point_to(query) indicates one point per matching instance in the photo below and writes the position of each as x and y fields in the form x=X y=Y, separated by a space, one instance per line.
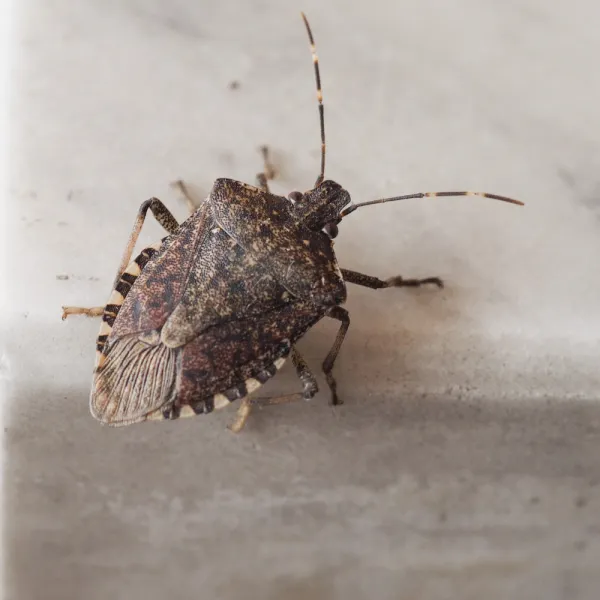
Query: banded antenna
x=353 y=207
x=321 y=176
x=315 y=58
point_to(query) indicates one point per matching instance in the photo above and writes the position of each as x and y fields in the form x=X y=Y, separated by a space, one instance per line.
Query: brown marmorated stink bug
x=211 y=312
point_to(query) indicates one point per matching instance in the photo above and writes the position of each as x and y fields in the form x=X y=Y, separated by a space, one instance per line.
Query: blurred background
x=465 y=460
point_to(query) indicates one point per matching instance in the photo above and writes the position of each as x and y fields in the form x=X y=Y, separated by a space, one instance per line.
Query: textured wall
x=464 y=463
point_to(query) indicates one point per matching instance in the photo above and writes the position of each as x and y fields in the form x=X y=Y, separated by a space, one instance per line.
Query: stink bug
x=211 y=312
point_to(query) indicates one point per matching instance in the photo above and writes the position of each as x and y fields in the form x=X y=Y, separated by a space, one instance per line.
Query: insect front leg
x=268 y=171
x=164 y=217
x=309 y=389
x=340 y=314
x=376 y=284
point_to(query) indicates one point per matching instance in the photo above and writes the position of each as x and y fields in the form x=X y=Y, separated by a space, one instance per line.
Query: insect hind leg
x=309 y=389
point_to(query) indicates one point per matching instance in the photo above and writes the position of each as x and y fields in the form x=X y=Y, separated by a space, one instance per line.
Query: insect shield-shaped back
x=287 y=238
x=213 y=313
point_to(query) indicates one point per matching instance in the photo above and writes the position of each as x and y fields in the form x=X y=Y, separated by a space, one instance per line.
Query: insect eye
x=295 y=196
x=331 y=229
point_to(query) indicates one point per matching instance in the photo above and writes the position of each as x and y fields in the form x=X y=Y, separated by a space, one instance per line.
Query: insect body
x=210 y=313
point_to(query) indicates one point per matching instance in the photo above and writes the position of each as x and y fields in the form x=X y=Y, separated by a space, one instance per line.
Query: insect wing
x=220 y=365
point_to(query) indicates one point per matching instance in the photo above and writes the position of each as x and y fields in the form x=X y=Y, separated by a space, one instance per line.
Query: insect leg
x=94 y=311
x=376 y=284
x=242 y=416
x=121 y=290
x=341 y=314
x=309 y=389
x=268 y=171
x=165 y=218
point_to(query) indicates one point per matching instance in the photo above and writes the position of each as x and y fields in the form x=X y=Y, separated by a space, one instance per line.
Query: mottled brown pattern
x=162 y=282
x=224 y=284
x=321 y=205
x=229 y=354
x=140 y=376
x=212 y=309
x=265 y=226
x=201 y=277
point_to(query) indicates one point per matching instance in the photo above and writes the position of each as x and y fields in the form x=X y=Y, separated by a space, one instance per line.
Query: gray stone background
x=466 y=460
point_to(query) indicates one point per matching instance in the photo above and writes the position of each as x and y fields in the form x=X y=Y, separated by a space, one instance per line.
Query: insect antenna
x=353 y=207
x=319 y=98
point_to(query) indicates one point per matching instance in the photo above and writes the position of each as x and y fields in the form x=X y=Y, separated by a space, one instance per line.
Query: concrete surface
x=466 y=460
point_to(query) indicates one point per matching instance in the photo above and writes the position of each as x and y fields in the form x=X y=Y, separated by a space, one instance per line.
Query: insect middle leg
x=376 y=284
x=268 y=171
x=164 y=217
x=309 y=389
